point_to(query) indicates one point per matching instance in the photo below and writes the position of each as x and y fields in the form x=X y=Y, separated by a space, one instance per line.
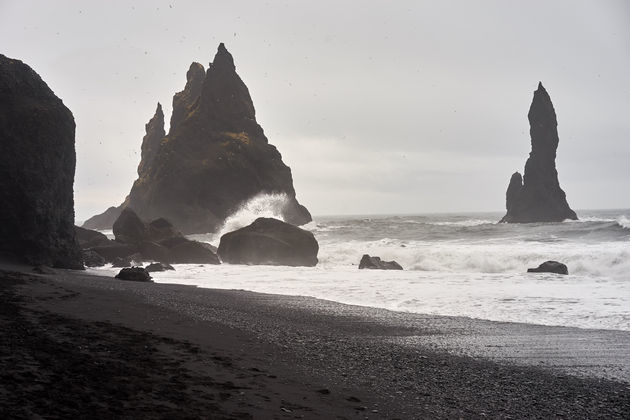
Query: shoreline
x=401 y=365
x=461 y=296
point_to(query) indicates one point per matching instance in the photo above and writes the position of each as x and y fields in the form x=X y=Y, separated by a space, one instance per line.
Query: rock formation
x=155 y=267
x=156 y=241
x=550 y=267
x=151 y=141
x=375 y=263
x=214 y=158
x=184 y=100
x=134 y=274
x=270 y=242
x=538 y=196
x=37 y=162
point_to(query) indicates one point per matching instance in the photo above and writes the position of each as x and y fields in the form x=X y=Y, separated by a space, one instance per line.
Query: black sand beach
x=75 y=345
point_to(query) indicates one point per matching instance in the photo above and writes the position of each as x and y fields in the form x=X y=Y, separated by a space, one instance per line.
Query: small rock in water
x=550 y=267
x=134 y=274
x=158 y=267
x=375 y=263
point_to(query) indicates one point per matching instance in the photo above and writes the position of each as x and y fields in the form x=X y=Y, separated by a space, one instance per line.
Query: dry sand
x=74 y=345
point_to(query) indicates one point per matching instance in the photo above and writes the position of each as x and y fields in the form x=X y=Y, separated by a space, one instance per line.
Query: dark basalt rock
x=375 y=263
x=153 y=251
x=269 y=241
x=152 y=139
x=214 y=158
x=104 y=220
x=93 y=259
x=134 y=274
x=121 y=262
x=114 y=250
x=37 y=162
x=156 y=241
x=129 y=229
x=158 y=267
x=538 y=196
x=89 y=238
x=550 y=267
x=184 y=100
x=192 y=252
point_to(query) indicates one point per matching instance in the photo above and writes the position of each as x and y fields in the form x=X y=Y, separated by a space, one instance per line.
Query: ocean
x=460 y=264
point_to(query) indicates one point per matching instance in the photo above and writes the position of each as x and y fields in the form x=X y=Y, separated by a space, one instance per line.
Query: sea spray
x=261 y=205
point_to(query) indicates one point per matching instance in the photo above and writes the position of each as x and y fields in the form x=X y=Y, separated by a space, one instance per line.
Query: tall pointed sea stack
x=214 y=158
x=37 y=162
x=538 y=196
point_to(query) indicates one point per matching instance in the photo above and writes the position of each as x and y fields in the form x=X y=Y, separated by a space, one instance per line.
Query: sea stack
x=537 y=197
x=214 y=158
x=37 y=163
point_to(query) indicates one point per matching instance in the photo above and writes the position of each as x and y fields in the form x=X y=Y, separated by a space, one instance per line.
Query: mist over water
x=455 y=264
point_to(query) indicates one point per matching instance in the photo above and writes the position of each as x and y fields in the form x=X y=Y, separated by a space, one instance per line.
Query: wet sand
x=78 y=345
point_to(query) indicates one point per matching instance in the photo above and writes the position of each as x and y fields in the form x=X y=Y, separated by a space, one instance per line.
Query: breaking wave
x=582 y=259
x=261 y=205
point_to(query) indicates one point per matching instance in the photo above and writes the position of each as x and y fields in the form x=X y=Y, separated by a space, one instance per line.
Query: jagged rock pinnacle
x=538 y=196
x=223 y=60
x=184 y=100
x=215 y=157
x=151 y=140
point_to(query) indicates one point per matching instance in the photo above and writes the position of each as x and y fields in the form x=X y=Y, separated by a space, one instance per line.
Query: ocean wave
x=623 y=222
x=470 y=222
x=261 y=205
x=609 y=260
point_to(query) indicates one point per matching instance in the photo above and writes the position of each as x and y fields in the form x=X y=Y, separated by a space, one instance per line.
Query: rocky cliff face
x=538 y=196
x=184 y=100
x=37 y=162
x=214 y=158
x=151 y=141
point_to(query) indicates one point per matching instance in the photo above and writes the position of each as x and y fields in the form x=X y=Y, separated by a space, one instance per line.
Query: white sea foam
x=468 y=222
x=612 y=260
x=574 y=300
x=623 y=222
x=261 y=205
x=477 y=272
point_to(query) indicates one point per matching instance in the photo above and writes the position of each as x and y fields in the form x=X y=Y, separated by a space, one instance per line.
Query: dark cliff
x=151 y=141
x=538 y=196
x=184 y=100
x=214 y=158
x=36 y=170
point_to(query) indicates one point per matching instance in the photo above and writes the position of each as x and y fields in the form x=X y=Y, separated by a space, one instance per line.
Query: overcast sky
x=377 y=107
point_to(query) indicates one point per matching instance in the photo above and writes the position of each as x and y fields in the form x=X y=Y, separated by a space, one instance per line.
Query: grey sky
x=377 y=107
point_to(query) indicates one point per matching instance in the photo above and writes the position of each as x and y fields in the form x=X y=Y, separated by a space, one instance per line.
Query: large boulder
x=115 y=250
x=89 y=238
x=550 y=267
x=37 y=162
x=375 y=263
x=192 y=252
x=134 y=274
x=537 y=197
x=215 y=157
x=158 y=267
x=137 y=241
x=269 y=241
x=129 y=229
x=93 y=259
